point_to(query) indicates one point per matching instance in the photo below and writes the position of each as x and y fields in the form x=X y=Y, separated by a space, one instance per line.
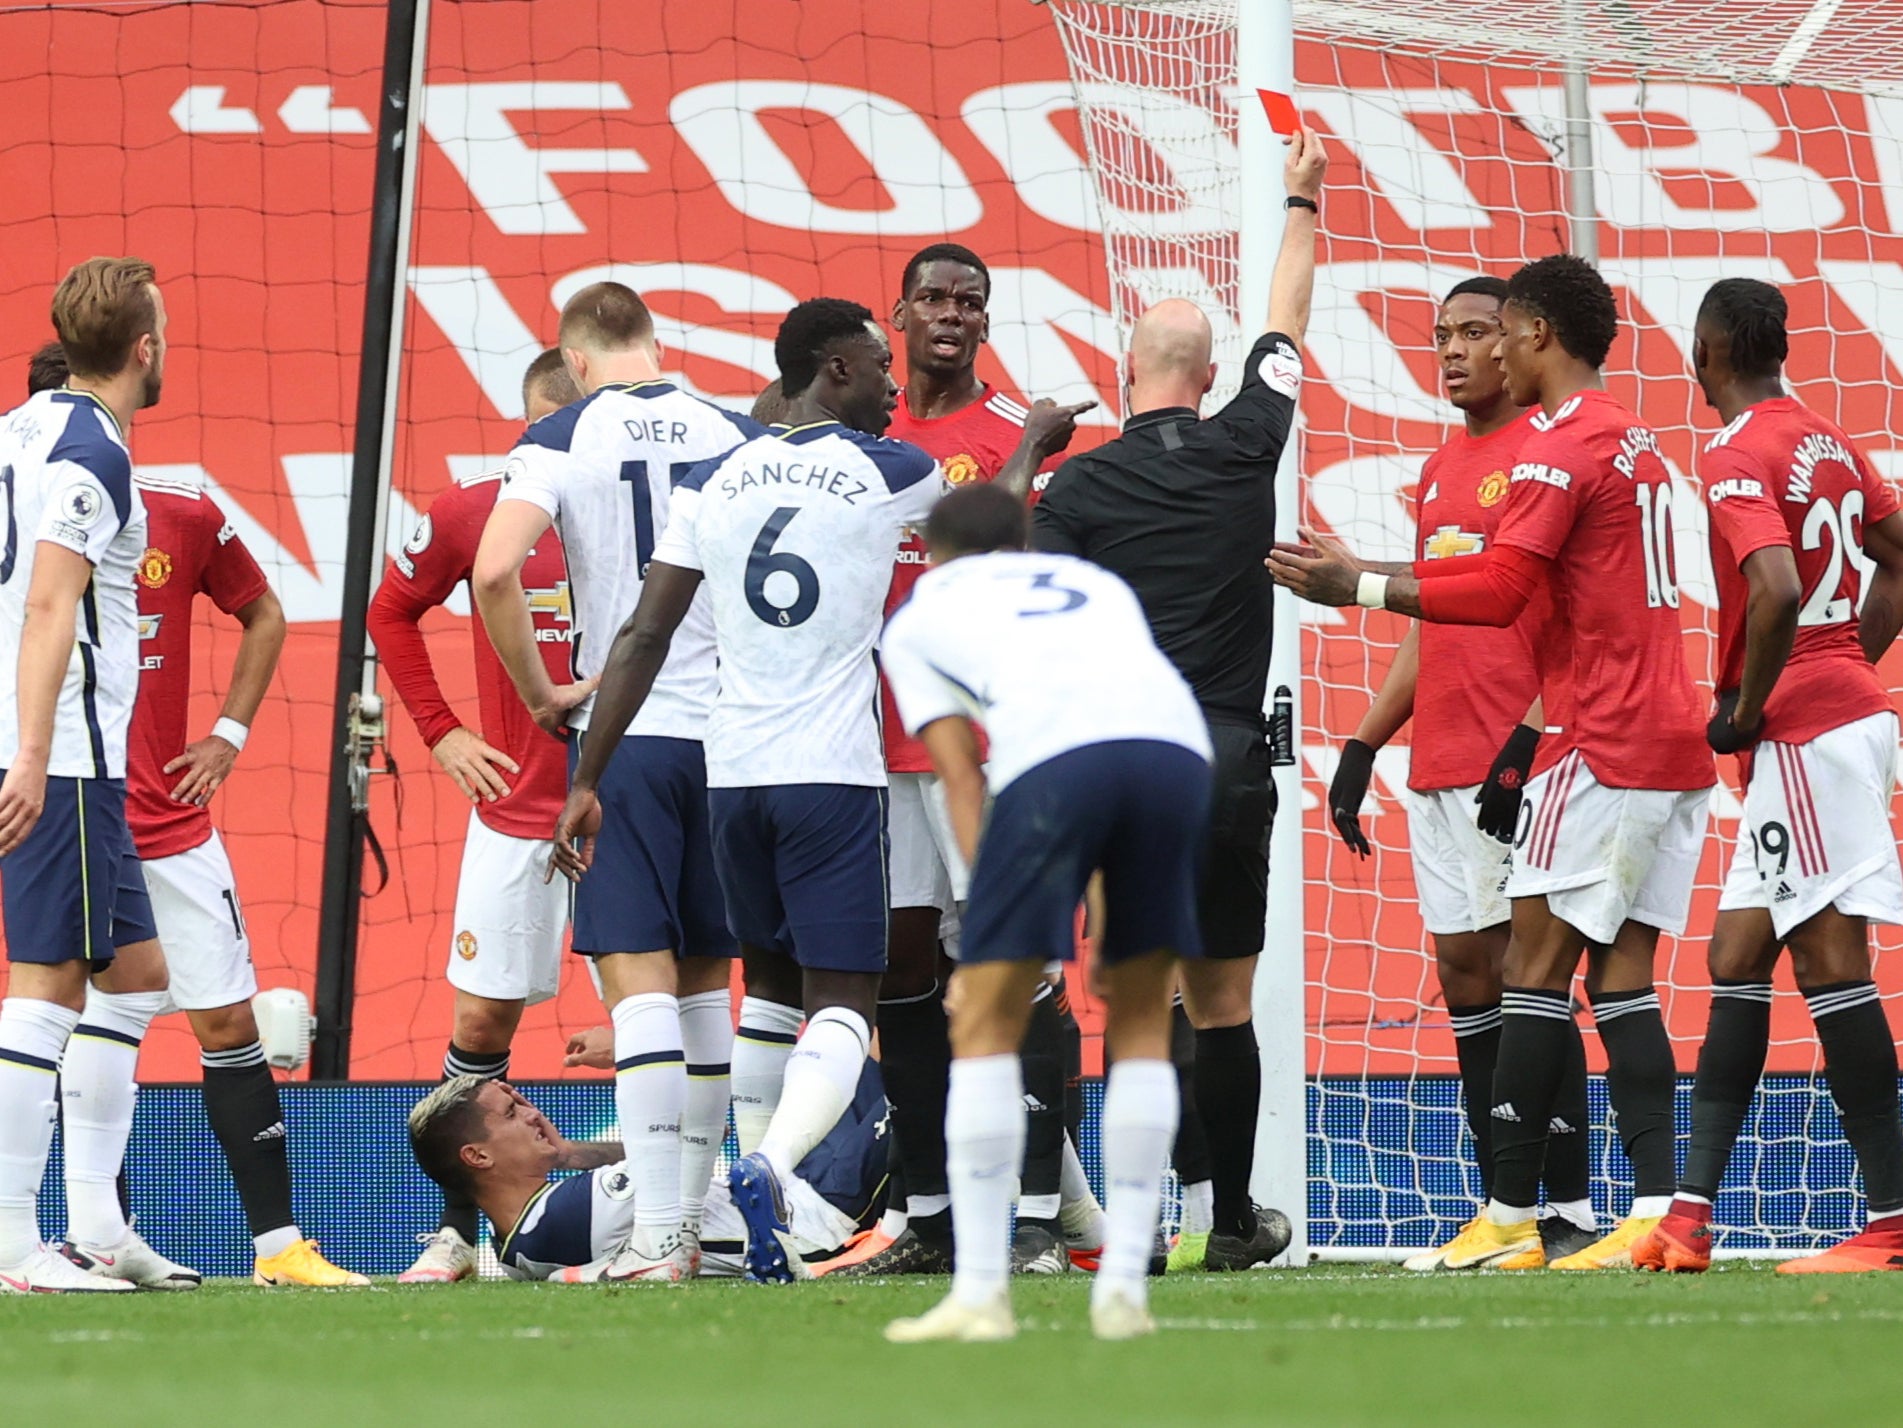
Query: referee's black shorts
x=1233 y=900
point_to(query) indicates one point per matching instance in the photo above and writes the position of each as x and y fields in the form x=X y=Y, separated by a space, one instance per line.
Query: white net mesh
x=1446 y=151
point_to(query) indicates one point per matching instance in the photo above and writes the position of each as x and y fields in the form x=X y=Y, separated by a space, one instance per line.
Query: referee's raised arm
x=1183 y=509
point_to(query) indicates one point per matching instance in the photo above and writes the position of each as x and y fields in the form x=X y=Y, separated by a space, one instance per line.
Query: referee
x=1184 y=510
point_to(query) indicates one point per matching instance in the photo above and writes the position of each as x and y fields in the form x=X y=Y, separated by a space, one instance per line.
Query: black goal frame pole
x=340 y=917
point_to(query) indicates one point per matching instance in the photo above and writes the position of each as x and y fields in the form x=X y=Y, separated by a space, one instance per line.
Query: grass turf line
x=1347 y=1345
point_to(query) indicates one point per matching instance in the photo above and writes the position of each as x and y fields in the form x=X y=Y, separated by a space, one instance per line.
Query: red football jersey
x=439 y=557
x=190 y=548
x=1475 y=683
x=971 y=444
x=1782 y=475
x=1590 y=492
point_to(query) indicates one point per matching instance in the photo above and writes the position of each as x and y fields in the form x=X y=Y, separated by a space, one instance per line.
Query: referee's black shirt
x=1183 y=509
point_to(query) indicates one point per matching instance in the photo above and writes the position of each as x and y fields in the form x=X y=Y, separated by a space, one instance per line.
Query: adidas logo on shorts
x=1505 y=1112
x=1784 y=893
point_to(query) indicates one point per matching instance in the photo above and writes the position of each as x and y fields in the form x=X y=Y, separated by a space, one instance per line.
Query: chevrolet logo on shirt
x=1449 y=541
x=554 y=602
x=149 y=630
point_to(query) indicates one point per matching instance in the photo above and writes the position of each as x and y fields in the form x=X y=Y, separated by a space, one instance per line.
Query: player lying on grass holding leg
x=482 y=1138
x=1099 y=761
x=1615 y=814
x=1801 y=533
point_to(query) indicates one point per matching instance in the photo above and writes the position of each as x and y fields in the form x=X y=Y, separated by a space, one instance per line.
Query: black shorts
x=1233 y=899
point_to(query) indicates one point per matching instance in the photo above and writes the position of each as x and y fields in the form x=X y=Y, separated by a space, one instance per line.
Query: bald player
x=1182 y=508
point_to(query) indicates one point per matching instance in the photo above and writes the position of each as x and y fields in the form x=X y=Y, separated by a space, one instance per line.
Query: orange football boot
x=1867 y=1253
x=1678 y=1244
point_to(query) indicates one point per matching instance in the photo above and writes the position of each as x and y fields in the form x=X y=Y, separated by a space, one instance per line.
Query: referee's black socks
x=1228 y=1098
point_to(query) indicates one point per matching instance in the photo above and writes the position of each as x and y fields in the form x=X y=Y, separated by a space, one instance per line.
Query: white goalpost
x=1673 y=143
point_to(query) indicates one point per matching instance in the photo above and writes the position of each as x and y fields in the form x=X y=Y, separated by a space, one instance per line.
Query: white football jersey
x=1048 y=652
x=605 y=469
x=572 y=1221
x=67 y=479
x=796 y=533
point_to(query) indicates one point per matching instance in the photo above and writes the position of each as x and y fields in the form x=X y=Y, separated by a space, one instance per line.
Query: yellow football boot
x=1614 y=1251
x=301 y=1264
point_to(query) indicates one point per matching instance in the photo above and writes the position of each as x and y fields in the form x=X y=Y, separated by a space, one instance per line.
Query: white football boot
x=47 y=1271
x=132 y=1261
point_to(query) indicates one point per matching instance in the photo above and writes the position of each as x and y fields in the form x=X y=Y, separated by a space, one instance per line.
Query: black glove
x=1350 y=786
x=1500 y=796
x=1724 y=736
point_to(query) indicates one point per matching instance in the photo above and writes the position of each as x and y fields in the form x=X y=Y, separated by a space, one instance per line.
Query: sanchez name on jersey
x=795 y=533
x=605 y=469
x=67 y=479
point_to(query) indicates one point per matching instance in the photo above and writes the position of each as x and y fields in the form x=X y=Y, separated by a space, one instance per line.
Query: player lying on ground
x=1467 y=689
x=604 y=471
x=190 y=548
x=1799 y=524
x=1099 y=762
x=485 y=1140
x=977 y=433
x=1615 y=819
x=794 y=535
x=76 y=909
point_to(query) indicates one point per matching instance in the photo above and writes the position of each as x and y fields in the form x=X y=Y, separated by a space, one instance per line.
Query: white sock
x=274 y=1242
x=98 y=1088
x=650 y=1091
x=1139 y=1125
x=1507 y=1216
x=1199 y=1208
x=1577 y=1213
x=33 y=1034
x=761 y=1047
x=984 y=1145
x=822 y=1076
x=892 y=1223
x=923 y=1207
x=1038 y=1207
x=707 y=1040
x=1081 y=1214
x=1650 y=1207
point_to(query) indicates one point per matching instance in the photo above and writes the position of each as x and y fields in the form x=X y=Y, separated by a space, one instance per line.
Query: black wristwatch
x=1295 y=200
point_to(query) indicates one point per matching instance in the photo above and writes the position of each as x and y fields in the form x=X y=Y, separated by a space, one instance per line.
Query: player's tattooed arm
x=589 y=1154
x=627 y=676
x=1047 y=430
x=1323 y=571
x=1883 y=596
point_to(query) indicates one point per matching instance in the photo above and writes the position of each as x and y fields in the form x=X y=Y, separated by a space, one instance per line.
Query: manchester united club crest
x=961 y=470
x=466 y=946
x=1492 y=489
x=155 y=568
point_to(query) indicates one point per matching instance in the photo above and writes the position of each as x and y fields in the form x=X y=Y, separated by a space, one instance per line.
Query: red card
x=1280 y=108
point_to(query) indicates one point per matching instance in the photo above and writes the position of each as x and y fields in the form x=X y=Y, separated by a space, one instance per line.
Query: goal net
x=1729 y=139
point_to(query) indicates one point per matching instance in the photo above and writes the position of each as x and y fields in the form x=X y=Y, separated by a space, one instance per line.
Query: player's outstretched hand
x=575 y=834
x=1049 y=427
x=476 y=767
x=1504 y=790
x=1321 y=570
x=1304 y=165
x=205 y=764
x=1726 y=733
x=593 y=1048
x=22 y=797
x=553 y=715
x=1347 y=790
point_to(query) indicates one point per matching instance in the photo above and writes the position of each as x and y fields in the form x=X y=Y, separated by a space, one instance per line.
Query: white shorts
x=1604 y=856
x=927 y=868
x=1460 y=874
x=1795 y=863
x=201 y=927
x=507 y=945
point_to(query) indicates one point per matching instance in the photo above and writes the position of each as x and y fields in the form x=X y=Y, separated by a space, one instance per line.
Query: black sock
x=1477 y=1048
x=1737 y=1038
x=459 y=1211
x=241 y=1102
x=1190 y=1156
x=1860 y=1062
x=1228 y=1095
x=1073 y=1061
x=1568 y=1167
x=1640 y=1077
x=1533 y=1049
x=1043 y=1061
x=915 y=1062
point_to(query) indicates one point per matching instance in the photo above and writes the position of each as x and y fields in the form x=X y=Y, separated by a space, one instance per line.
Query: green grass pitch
x=1335 y=1345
